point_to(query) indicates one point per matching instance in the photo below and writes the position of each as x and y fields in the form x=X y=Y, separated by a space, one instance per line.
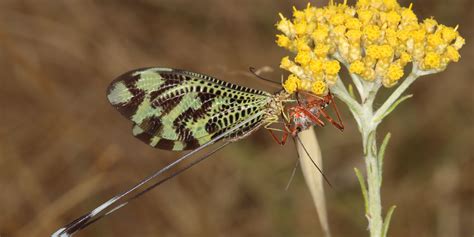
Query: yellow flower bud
x=303 y=57
x=393 y=17
x=373 y=51
x=452 y=54
x=372 y=32
x=459 y=42
x=405 y=58
x=394 y=72
x=353 y=24
x=403 y=34
x=357 y=67
x=431 y=61
x=332 y=67
x=310 y=27
x=283 y=41
x=385 y=51
x=316 y=66
x=318 y=88
x=365 y=16
x=391 y=37
x=285 y=26
x=309 y=12
x=337 y=19
x=291 y=84
x=434 y=40
x=300 y=27
x=302 y=44
x=369 y=74
x=339 y=30
x=298 y=15
x=353 y=35
x=448 y=34
x=362 y=3
x=286 y=63
x=418 y=35
x=321 y=50
x=320 y=34
x=430 y=25
x=408 y=15
x=391 y=4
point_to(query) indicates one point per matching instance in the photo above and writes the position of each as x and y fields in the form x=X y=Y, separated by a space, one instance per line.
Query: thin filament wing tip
x=292 y=175
x=146 y=184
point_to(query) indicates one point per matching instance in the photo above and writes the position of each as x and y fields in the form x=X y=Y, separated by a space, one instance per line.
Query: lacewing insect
x=180 y=110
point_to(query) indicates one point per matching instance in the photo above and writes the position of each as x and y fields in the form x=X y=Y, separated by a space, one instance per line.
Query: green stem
x=358 y=83
x=374 y=179
x=374 y=212
x=341 y=92
x=365 y=117
x=368 y=120
x=395 y=95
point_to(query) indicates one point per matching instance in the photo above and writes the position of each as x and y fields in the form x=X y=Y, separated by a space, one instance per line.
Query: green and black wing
x=180 y=110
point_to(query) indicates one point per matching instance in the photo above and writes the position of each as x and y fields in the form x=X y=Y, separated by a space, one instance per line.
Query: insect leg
x=313 y=118
x=283 y=137
x=338 y=125
x=334 y=106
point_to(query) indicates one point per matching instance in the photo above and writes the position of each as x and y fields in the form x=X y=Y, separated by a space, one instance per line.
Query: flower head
x=375 y=39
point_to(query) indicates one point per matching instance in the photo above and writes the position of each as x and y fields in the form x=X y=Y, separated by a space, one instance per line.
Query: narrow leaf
x=381 y=154
x=363 y=188
x=392 y=107
x=369 y=145
x=386 y=223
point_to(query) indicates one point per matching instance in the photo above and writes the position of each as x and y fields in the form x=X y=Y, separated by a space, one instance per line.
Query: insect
x=180 y=110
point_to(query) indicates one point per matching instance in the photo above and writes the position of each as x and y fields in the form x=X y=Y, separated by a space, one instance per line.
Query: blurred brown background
x=64 y=149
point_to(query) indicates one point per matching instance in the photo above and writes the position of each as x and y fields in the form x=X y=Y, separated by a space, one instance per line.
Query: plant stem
x=374 y=210
x=367 y=122
x=395 y=95
x=368 y=130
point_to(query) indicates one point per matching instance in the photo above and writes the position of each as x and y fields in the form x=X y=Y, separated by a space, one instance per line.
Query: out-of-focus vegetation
x=64 y=150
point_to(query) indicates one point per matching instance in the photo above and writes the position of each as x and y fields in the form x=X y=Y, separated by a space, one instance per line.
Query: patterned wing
x=180 y=110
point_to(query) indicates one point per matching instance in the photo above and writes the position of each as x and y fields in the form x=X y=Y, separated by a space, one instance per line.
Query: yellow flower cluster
x=376 y=39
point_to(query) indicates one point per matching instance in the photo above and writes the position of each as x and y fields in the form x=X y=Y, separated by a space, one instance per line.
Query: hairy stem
x=395 y=95
x=366 y=119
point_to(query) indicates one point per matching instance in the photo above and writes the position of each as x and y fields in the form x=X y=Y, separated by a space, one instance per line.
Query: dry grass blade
x=313 y=177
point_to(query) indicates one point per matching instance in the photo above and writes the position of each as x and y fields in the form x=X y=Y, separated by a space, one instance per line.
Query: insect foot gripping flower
x=376 y=40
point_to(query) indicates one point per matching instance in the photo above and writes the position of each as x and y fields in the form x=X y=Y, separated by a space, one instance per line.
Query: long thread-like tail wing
x=144 y=186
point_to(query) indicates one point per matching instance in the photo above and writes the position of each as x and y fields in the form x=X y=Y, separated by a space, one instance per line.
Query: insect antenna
x=292 y=175
x=255 y=73
x=314 y=163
